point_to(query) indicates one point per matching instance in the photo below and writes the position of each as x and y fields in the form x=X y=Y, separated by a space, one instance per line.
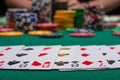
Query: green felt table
x=101 y=38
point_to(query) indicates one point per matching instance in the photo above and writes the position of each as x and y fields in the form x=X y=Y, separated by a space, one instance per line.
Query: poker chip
x=48 y=26
x=70 y=29
x=65 y=12
x=6 y=29
x=54 y=35
x=81 y=30
x=37 y=33
x=3 y=26
x=117 y=29
x=84 y=30
x=82 y=34
x=11 y=33
x=3 y=20
x=116 y=33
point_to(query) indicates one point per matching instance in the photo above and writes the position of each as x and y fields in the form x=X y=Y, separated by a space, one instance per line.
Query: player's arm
x=107 y=4
x=19 y=4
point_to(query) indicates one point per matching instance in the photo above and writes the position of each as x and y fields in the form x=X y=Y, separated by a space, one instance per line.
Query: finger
x=72 y=3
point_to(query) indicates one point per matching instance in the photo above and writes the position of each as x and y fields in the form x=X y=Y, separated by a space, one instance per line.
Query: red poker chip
x=116 y=33
x=82 y=34
x=47 y=25
x=91 y=34
x=6 y=29
x=3 y=25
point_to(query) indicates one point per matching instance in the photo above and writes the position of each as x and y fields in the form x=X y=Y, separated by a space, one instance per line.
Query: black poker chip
x=54 y=35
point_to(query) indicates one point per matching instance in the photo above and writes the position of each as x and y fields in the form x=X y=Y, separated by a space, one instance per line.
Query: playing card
x=46 y=59
x=111 y=55
x=91 y=58
x=67 y=58
x=8 y=53
x=24 y=58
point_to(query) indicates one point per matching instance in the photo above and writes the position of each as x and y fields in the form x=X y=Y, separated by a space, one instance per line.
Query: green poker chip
x=70 y=29
x=3 y=20
x=117 y=29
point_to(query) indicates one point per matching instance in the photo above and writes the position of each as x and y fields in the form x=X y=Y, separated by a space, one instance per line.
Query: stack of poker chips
x=10 y=16
x=26 y=21
x=43 y=8
x=64 y=18
x=79 y=18
x=94 y=17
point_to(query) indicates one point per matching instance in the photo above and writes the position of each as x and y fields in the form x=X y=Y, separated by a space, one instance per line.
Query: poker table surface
x=101 y=38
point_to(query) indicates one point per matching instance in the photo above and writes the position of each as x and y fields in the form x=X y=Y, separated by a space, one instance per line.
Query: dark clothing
x=114 y=12
x=3 y=7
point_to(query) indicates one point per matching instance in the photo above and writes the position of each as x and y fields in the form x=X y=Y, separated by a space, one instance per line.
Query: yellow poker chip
x=37 y=33
x=64 y=16
x=65 y=11
x=64 y=19
x=11 y=33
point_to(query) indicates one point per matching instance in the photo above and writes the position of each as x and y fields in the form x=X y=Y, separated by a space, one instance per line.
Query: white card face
x=32 y=51
x=2 y=61
x=111 y=55
x=67 y=56
x=46 y=59
x=2 y=48
x=91 y=58
x=8 y=53
x=23 y=59
x=17 y=64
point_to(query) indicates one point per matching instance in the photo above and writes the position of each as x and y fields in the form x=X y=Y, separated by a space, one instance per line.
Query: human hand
x=75 y=4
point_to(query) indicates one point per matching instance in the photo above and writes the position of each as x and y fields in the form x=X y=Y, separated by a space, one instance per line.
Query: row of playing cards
x=64 y=58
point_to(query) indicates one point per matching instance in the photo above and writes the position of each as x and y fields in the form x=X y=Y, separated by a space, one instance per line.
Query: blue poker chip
x=54 y=35
x=33 y=19
x=18 y=20
x=18 y=14
x=33 y=14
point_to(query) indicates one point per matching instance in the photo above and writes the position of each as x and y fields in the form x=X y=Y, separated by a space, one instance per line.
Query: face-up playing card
x=67 y=58
x=90 y=58
x=8 y=53
x=24 y=58
x=111 y=55
x=46 y=59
